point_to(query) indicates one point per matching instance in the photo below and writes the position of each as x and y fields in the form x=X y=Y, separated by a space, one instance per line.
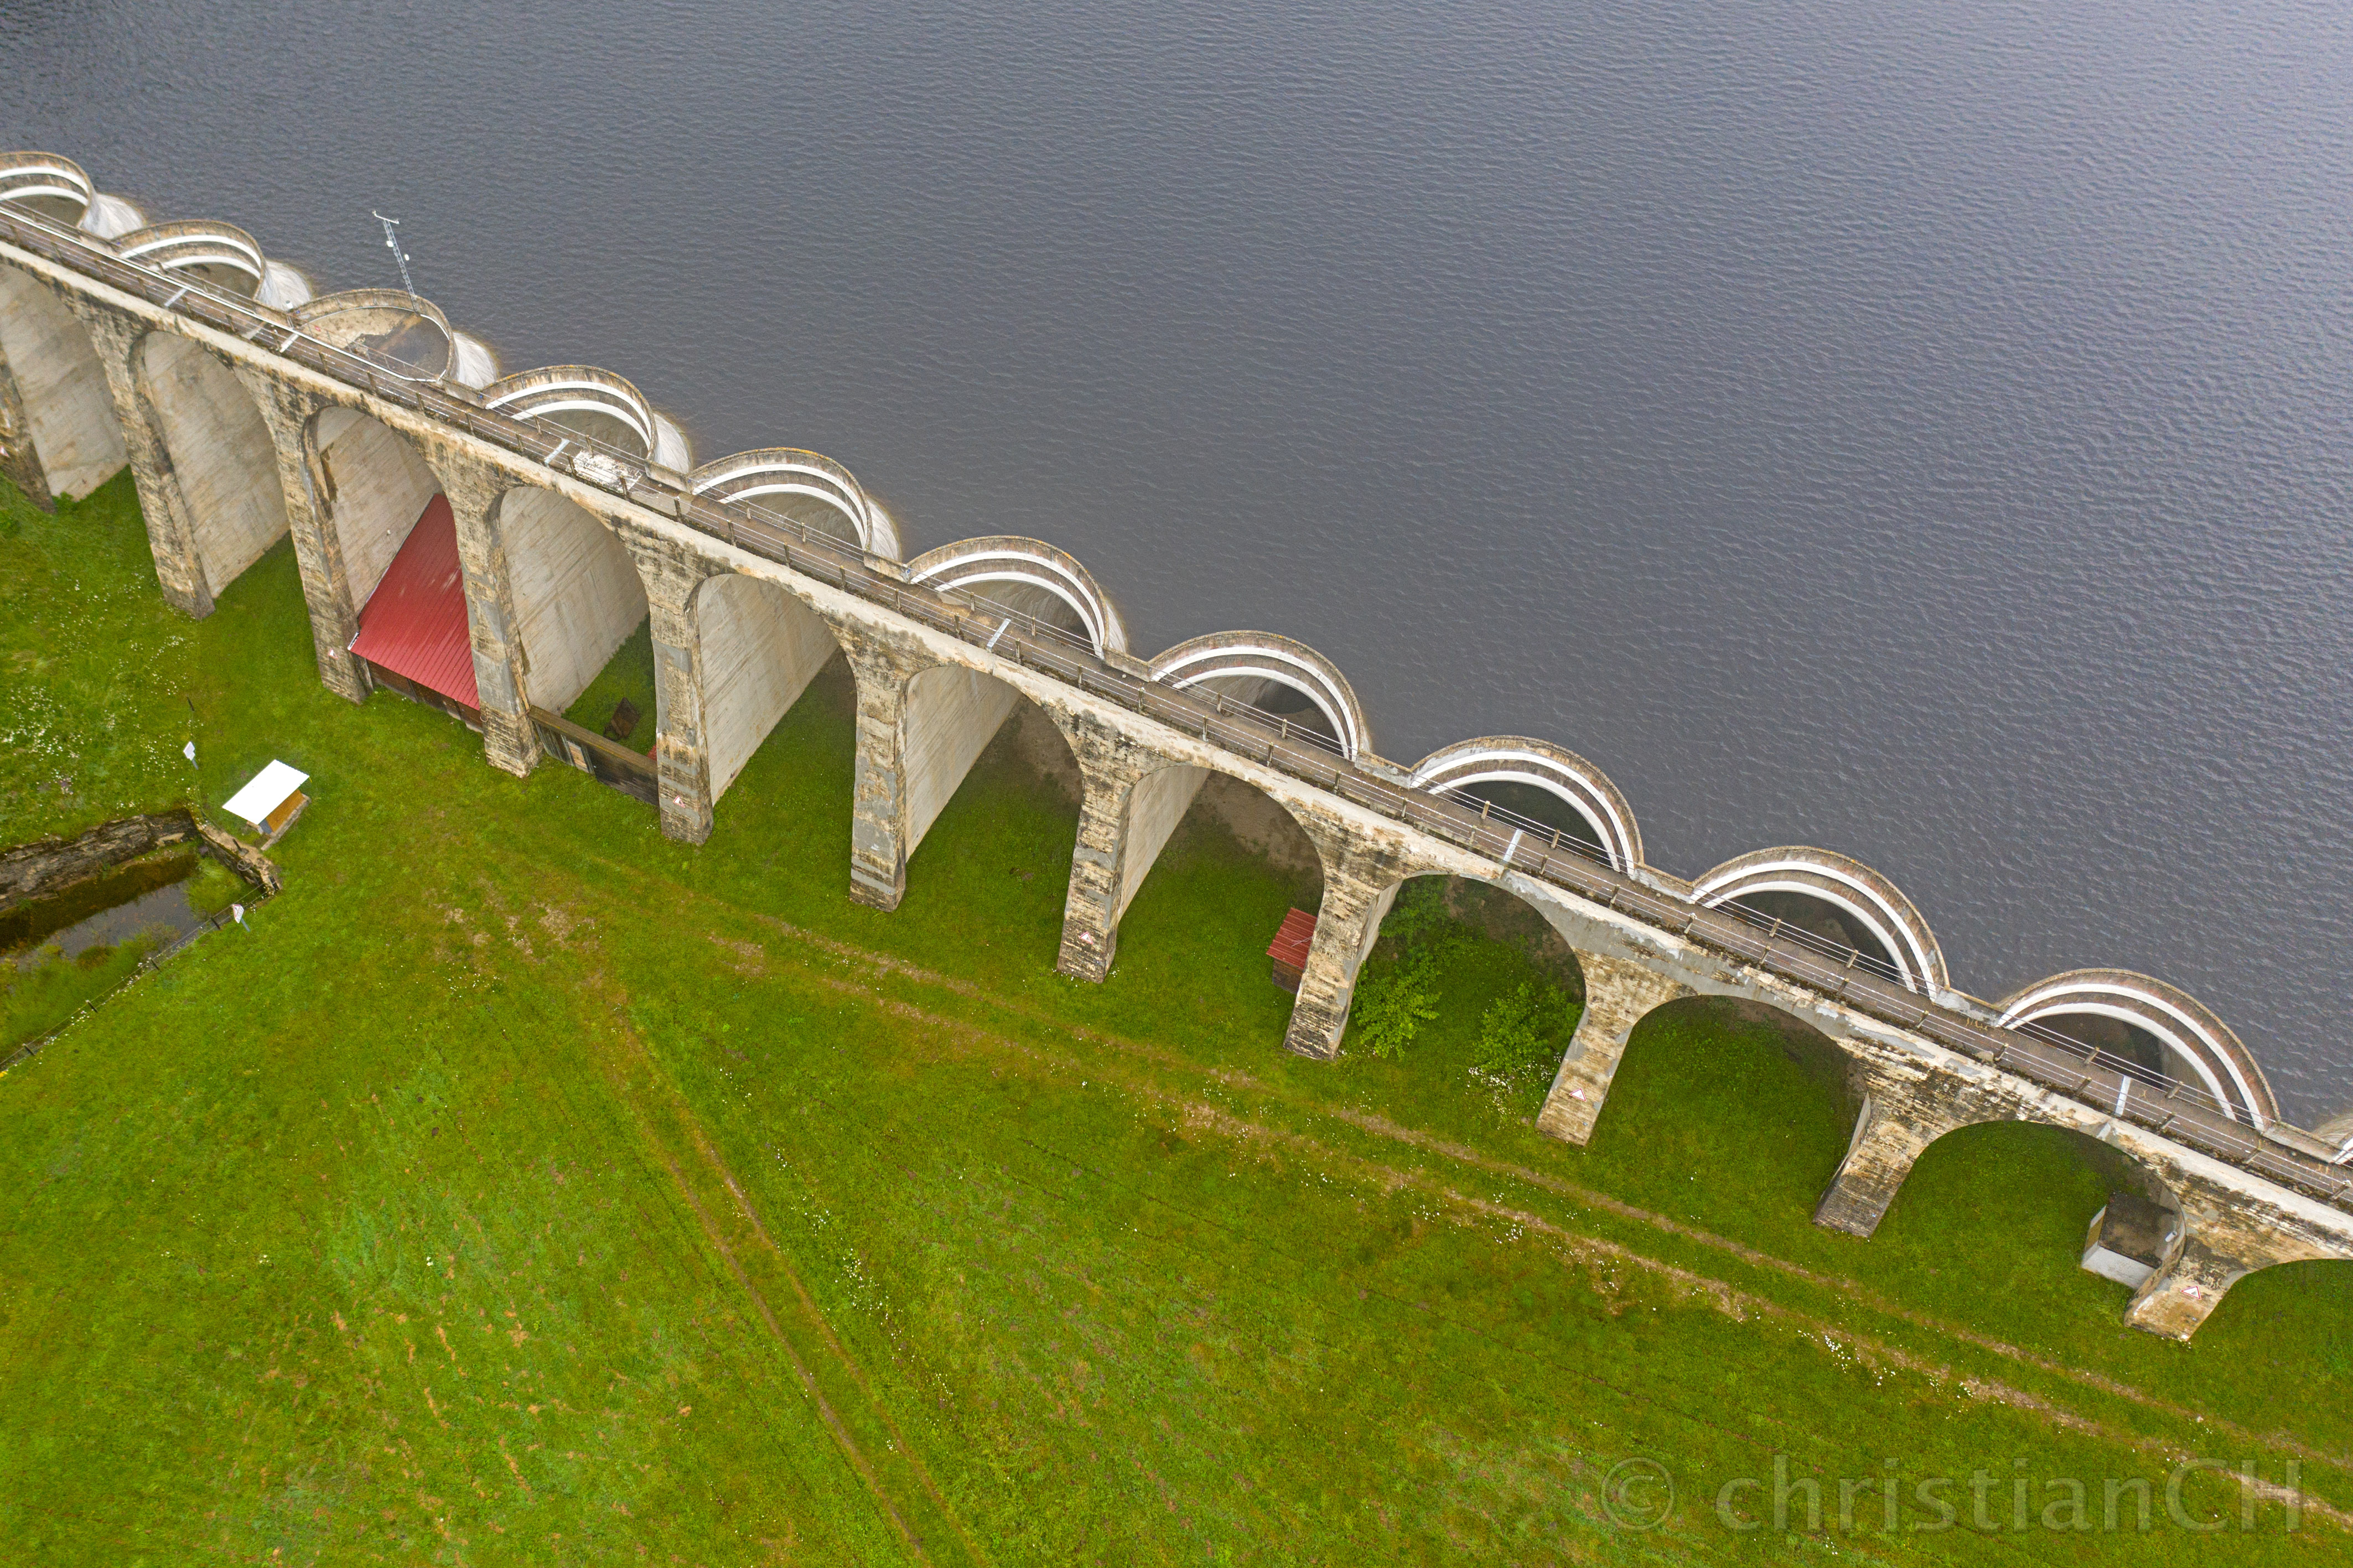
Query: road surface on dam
x=1922 y=437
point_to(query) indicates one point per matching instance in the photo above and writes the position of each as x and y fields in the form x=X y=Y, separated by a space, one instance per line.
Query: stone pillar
x=682 y=746
x=1899 y=1119
x=1359 y=890
x=502 y=667
x=2221 y=1244
x=171 y=534
x=288 y=411
x=1090 y=911
x=879 y=824
x=1618 y=994
x=19 y=463
x=1132 y=800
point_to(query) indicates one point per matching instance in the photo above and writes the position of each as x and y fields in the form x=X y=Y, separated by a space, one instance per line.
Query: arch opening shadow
x=1834 y=904
x=223 y=463
x=69 y=418
x=2157 y=1028
x=761 y=648
x=1817 y=917
x=393 y=542
x=1467 y=979
x=577 y=596
x=992 y=817
x=951 y=715
x=1210 y=867
x=1997 y=1224
x=1279 y=676
x=1731 y=1113
x=1541 y=805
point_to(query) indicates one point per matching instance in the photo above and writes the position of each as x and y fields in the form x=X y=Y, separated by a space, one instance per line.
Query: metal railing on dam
x=2113 y=1086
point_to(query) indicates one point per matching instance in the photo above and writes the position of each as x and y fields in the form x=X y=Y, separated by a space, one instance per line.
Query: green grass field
x=522 y=1187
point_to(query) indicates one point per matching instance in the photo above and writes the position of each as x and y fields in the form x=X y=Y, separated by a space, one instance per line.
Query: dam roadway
x=746 y=600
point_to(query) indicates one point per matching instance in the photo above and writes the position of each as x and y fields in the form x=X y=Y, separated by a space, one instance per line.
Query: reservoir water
x=1919 y=430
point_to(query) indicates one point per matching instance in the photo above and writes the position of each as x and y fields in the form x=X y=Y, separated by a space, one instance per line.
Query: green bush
x=1522 y=1032
x=1392 y=1002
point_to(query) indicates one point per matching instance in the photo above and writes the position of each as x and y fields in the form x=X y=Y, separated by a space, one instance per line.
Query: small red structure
x=413 y=629
x=1288 y=949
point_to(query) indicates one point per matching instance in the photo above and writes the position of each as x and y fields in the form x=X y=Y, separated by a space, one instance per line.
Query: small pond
x=61 y=952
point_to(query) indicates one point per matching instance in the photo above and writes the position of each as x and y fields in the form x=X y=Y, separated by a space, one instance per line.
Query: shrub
x=1392 y=1004
x=1523 y=1033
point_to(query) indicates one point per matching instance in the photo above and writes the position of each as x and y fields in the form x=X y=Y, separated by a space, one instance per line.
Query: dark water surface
x=1917 y=430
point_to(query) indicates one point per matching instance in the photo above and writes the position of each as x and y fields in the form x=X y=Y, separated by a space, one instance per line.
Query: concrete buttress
x=1618 y=994
x=1900 y=1117
x=502 y=673
x=878 y=824
x=681 y=752
x=1130 y=800
x=1360 y=883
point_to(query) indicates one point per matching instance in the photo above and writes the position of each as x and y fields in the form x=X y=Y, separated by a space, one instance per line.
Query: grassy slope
x=523 y=1187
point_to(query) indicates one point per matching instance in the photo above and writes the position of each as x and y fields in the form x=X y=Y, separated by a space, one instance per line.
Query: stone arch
x=372 y=486
x=1836 y=901
x=1489 y=906
x=2126 y=1015
x=1260 y=669
x=224 y=464
x=805 y=488
x=2316 y=1274
x=385 y=577
x=951 y=713
x=761 y=647
x=1480 y=772
x=2137 y=1223
x=1158 y=802
x=575 y=591
x=1030 y=578
x=52 y=380
x=56 y=191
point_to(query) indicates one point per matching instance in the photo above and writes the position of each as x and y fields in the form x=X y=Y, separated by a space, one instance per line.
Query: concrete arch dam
x=487 y=543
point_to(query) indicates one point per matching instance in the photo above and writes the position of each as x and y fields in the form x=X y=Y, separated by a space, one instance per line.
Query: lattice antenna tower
x=391 y=243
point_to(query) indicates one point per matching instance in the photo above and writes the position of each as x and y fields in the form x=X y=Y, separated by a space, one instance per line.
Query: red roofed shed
x=413 y=629
x=1288 y=949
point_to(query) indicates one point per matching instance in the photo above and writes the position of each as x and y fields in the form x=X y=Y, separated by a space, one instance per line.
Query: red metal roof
x=1291 y=942
x=414 y=622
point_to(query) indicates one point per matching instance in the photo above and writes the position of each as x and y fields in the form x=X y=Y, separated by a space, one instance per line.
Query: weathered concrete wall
x=951 y=712
x=223 y=461
x=58 y=404
x=1156 y=805
x=576 y=594
x=761 y=647
x=373 y=488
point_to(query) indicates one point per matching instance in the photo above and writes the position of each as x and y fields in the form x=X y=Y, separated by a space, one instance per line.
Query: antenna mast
x=391 y=243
